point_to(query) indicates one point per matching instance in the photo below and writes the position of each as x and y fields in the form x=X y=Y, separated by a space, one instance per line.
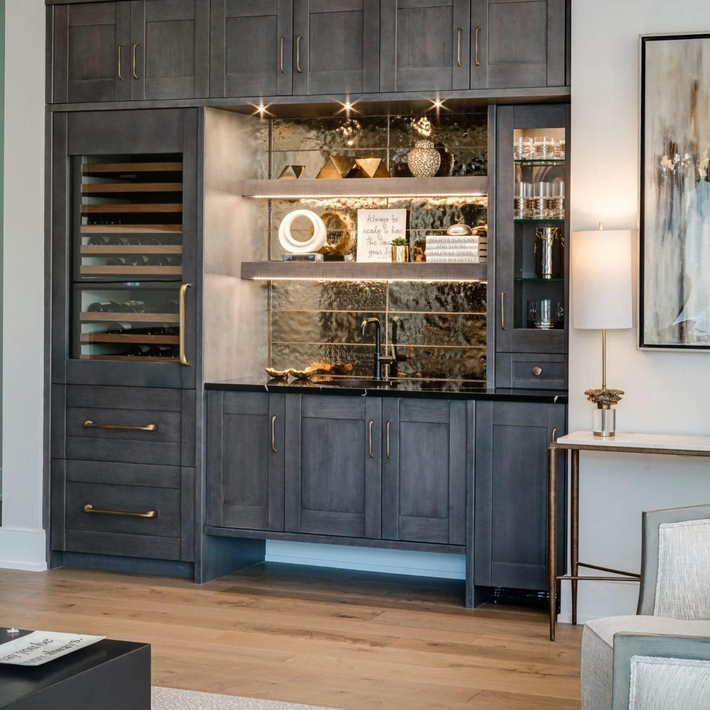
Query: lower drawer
x=120 y=509
x=531 y=371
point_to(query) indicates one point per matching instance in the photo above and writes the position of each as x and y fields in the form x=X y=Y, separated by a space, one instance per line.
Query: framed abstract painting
x=674 y=299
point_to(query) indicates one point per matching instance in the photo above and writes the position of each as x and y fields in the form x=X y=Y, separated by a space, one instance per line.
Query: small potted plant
x=400 y=250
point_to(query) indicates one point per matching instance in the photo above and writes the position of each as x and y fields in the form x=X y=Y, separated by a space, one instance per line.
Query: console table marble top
x=639 y=443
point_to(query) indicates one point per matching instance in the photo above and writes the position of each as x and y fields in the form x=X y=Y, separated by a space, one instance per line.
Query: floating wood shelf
x=367 y=187
x=130 y=228
x=129 y=317
x=91 y=168
x=131 y=249
x=131 y=271
x=131 y=187
x=128 y=339
x=353 y=271
x=129 y=209
x=129 y=357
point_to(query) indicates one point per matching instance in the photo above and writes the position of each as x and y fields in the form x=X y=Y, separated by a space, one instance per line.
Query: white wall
x=665 y=392
x=21 y=536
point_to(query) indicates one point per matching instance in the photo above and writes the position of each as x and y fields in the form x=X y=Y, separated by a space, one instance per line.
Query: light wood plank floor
x=349 y=640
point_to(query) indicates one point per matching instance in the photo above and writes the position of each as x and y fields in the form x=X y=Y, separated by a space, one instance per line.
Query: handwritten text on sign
x=375 y=231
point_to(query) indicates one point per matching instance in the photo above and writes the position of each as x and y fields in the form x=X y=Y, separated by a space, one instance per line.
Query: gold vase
x=400 y=255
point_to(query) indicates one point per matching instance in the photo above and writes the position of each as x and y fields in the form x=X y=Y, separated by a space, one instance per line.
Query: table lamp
x=601 y=300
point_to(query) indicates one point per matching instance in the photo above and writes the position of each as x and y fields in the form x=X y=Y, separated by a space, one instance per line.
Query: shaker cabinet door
x=91 y=52
x=169 y=49
x=333 y=465
x=337 y=47
x=425 y=465
x=245 y=460
x=425 y=45
x=251 y=48
x=518 y=44
x=510 y=516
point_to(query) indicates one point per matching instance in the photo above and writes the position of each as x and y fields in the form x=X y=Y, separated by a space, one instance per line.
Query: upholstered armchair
x=660 y=658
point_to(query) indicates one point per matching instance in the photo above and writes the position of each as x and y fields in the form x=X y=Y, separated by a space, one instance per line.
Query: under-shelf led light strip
x=368 y=279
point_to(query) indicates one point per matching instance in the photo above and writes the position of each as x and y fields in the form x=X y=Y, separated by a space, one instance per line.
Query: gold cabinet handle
x=372 y=423
x=389 y=424
x=273 y=434
x=298 y=53
x=283 y=40
x=537 y=371
x=88 y=424
x=133 y=59
x=502 y=310
x=478 y=29
x=458 y=46
x=120 y=62
x=183 y=357
x=88 y=508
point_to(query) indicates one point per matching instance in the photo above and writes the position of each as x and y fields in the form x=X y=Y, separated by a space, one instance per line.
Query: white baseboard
x=23 y=549
x=367 y=559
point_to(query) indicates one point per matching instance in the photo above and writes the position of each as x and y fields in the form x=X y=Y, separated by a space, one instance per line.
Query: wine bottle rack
x=128 y=258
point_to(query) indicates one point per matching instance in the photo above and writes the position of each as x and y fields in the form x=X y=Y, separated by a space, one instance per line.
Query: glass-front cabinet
x=532 y=245
x=129 y=248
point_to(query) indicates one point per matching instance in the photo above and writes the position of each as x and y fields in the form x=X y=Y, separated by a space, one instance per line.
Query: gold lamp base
x=605 y=398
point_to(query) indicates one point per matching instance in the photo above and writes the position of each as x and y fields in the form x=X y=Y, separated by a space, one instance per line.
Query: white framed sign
x=375 y=231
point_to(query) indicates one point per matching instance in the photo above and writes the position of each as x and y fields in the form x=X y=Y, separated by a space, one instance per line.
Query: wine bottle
x=170 y=305
x=104 y=307
x=135 y=307
x=157 y=260
x=137 y=260
x=161 y=351
x=115 y=261
x=97 y=240
x=174 y=261
x=151 y=241
x=139 y=351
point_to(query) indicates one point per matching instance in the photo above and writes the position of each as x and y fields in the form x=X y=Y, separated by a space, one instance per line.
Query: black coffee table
x=110 y=675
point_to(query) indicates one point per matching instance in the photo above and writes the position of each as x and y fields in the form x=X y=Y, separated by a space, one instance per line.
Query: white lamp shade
x=601 y=279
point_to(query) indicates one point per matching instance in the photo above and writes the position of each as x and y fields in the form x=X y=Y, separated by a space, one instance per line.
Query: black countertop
x=399 y=388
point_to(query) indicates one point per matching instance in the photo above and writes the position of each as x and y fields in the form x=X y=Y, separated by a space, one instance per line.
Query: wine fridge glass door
x=130 y=321
x=128 y=217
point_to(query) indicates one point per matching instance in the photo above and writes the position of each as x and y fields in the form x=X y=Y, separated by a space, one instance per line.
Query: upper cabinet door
x=519 y=44
x=336 y=47
x=91 y=52
x=169 y=49
x=251 y=48
x=426 y=45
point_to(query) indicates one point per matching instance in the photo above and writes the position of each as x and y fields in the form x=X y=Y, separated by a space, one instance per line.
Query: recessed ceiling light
x=438 y=103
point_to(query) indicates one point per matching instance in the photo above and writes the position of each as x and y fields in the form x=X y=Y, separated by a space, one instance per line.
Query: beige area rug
x=174 y=699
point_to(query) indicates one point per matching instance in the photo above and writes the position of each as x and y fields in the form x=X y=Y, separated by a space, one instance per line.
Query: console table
x=663 y=444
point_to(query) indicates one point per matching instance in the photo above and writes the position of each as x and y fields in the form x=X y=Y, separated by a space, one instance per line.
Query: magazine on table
x=40 y=647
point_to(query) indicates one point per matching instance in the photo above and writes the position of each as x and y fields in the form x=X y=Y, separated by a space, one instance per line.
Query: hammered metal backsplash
x=440 y=327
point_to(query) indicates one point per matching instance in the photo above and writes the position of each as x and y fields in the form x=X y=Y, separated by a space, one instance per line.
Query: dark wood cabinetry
x=90 y=46
x=334 y=466
x=131 y=50
x=337 y=47
x=517 y=44
x=425 y=45
x=251 y=48
x=510 y=515
x=245 y=461
x=425 y=471
x=190 y=49
x=169 y=49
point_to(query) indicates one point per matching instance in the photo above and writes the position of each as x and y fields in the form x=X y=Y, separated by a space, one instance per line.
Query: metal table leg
x=575 y=531
x=552 y=534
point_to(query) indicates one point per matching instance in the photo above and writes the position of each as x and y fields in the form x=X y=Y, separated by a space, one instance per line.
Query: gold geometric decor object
x=338 y=167
x=292 y=172
x=371 y=168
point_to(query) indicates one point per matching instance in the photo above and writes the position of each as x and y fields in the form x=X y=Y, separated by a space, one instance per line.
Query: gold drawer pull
x=372 y=423
x=88 y=424
x=389 y=425
x=134 y=64
x=120 y=65
x=273 y=434
x=123 y=513
x=183 y=295
x=537 y=371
